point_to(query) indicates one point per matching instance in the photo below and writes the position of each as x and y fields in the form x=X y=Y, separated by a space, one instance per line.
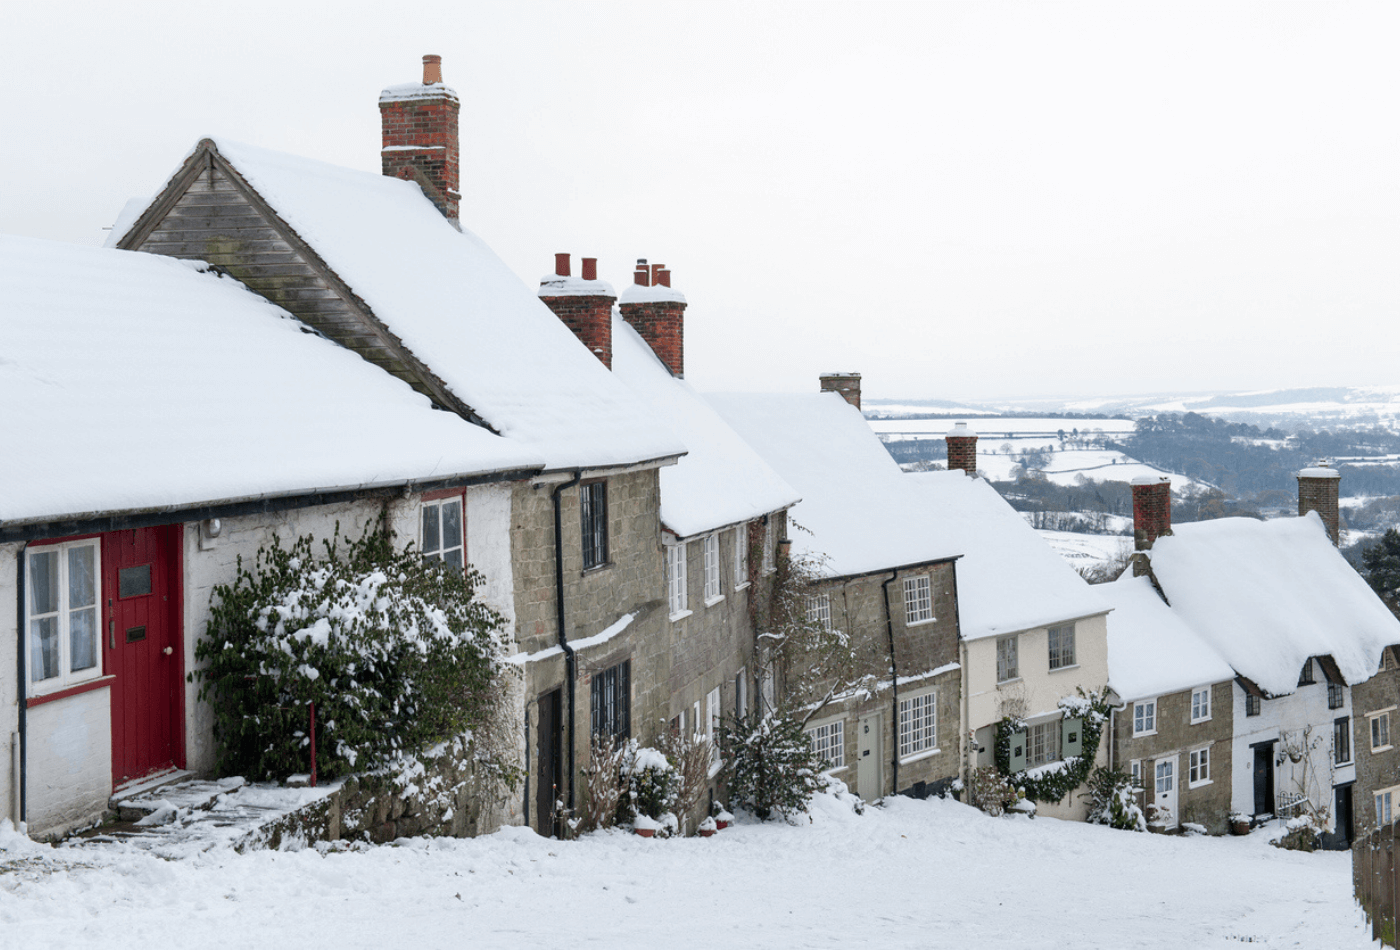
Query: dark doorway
x=1264 y=778
x=547 y=763
x=1339 y=839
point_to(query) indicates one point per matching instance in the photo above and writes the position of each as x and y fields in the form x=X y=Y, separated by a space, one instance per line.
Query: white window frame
x=1043 y=743
x=713 y=710
x=1135 y=770
x=1065 y=630
x=819 y=610
x=1145 y=717
x=918 y=725
x=918 y=600
x=1163 y=774
x=1198 y=767
x=436 y=509
x=1379 y=724
x=1013 y=656
x=1200 y=705
x=676 y=594
x=62 y=616
x=741 y=557
x=741 y=694
x=829 y=743
x=696 y=723
x=713 y=594
x=770 y=544
x=1385 y=801
x=1342 y=724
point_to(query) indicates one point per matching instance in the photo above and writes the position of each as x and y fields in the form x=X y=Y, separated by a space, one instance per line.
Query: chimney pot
x=432 y=70
x=641 y=277
x=660 y=320
x=663 y=278
x=656 y=270
x=587 y=314
x=561 y=265
x=590 y=268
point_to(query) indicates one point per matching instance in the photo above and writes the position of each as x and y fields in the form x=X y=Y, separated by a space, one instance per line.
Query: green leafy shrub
x=1112 y=800
x=394 y=650
x=651 y=786
x=772 y=768
x=990 y=791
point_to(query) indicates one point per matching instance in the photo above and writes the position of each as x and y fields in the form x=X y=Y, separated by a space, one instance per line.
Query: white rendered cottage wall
x=1037 y=691
x=9 y=691
x=1299 y=720
x=68 y=762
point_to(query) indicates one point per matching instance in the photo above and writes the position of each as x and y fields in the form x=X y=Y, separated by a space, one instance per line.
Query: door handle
x=168 y=650
x=111 y=634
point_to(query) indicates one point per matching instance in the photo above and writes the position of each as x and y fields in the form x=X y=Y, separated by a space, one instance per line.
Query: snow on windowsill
x=926 y=754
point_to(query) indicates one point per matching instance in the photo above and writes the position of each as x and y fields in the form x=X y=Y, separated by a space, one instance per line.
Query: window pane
x=82 y=638
x=453 y=557
x=452 y=526
x=431 y=541
x=82 y=576
x=43 y=649
x=43 y=582
x=134 y=581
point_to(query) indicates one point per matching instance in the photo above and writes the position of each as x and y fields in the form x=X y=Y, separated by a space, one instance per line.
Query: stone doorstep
x=179 y=791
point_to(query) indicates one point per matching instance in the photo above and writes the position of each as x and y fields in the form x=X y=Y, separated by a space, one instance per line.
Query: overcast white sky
x=959 y=201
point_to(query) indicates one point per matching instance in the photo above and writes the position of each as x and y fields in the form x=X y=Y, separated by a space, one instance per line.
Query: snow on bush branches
x=1052 y=782
x=393 y=649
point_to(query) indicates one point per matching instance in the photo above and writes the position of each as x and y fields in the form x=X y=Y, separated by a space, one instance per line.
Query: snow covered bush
x=603 y=783
x=651 y=786
x=1113 y=800
x=692 y=757
x=989 y=790
x=394 y=650
x=772 y=767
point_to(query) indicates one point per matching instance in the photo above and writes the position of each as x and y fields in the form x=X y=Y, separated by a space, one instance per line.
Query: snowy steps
x=192 y=815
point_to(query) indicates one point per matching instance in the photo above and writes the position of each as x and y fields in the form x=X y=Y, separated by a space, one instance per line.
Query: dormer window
x=1305 y=678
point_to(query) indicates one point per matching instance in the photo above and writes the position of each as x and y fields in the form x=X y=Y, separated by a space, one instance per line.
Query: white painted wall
x=69 y=762
x=1038 y=690
x=1287 y=719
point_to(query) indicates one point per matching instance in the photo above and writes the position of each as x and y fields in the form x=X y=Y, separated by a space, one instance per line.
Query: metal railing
x=1374 y=881
x=1290 y=805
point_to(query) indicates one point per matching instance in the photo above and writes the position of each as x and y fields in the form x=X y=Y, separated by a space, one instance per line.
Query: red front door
x=141 y=644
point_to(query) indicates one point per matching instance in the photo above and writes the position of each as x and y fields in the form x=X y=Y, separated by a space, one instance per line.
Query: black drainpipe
x=19 y=690
x=525 y=792
x=894 y=686
x=570 y=663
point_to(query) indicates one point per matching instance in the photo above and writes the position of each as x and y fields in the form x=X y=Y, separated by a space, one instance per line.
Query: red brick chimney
x=658 y=313
x=962 y=448
x=847 y=385
x=1152 y=509
x=1317 y=491
x=420 y=136
x=584 y=304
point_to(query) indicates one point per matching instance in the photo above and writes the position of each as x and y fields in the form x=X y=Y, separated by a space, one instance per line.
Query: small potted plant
x=645 y=826
x=722 y=817
x=707 y=828
x=1239 y=823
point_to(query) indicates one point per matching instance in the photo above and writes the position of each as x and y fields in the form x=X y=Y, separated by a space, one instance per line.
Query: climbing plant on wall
x=1057 y=779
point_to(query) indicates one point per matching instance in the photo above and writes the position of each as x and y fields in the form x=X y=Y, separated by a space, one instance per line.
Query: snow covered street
x=910 y=874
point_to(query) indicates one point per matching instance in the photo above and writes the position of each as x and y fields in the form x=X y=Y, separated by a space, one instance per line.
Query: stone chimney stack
x=1152 y=509
x=962 y=448
x=1317 y=491
x=584 y=304
x=657 y=312
x=420 y=137
x=846 y=384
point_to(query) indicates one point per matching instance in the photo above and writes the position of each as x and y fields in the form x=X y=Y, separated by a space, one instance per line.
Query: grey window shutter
x=1018 y=751
x=986 y=739
x=1071 y=737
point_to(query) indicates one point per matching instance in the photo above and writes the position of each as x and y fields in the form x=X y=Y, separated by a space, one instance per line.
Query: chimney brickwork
x=657 y=313
x=846 y=385
x=584 y=304
x=962 y=449
x=420 y=140
x=1318 y=490
x=1152 y=510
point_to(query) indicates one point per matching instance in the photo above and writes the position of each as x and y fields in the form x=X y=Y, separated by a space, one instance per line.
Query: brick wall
x=421 y=134
x=1152 y=511
x=1320 y=495
x=962 y=453
x=590 y=318
x=662 y=324
x=846 y=385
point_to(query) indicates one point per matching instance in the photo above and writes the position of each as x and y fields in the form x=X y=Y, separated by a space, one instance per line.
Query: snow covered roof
x=722 y=480
x=459 y=310
x=866 y=515
x=133 y=381
x=1151 y=650
x=1269 y=594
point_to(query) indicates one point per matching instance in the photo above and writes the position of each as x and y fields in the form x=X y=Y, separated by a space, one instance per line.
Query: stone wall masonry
x=1175 y=737
x=1374 y=770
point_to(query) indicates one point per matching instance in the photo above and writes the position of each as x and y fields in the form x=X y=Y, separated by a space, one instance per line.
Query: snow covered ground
x=910 y=874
